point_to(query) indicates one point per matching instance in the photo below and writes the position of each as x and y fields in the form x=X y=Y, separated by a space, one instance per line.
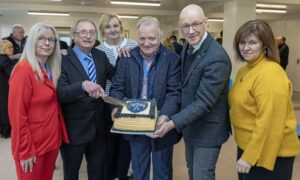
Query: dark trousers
x=283 y=170
x=117 y=157
x=72 y=157
x=141 y=149
x=201 y=161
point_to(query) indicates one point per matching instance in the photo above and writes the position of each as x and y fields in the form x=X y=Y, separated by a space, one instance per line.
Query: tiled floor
x=225 y=167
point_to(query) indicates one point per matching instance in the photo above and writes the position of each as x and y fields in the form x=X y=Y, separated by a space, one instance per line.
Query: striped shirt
x=111 y=52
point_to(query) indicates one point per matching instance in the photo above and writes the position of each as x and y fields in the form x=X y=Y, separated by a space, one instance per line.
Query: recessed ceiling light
x=48 y=13
x=274 y=6
x=141 y=3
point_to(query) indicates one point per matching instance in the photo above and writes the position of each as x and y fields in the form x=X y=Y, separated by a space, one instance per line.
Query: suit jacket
x=127 y=83
x=83 y=114
x=35 y=114
x=204 y=117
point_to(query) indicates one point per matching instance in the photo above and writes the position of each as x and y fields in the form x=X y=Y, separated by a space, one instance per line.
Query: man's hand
x=113 y=112
x=94 y=90
x=28 y=164
x=243 y=166
x=125 y=51
x=163 y=128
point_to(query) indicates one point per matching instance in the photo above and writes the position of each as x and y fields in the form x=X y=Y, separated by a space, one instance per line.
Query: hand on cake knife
x=114 y=101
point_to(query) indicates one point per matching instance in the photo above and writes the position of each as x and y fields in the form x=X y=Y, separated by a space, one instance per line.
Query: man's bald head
x=192 y=22
x=192 y=10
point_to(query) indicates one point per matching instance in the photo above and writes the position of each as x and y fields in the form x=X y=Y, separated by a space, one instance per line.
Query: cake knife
x=114 y=101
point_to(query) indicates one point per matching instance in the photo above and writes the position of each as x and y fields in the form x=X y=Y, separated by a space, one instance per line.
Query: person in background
x=151 y=72
x=117 y=153
x=84 y=72
x=6 y=66
x=18 y=40
x=283 y=51
x=262 y=113
x=167 y=43
x=38 y=127
x=220 y=39
x=182 y=41
x=204 y=115
x=177 y=46
x=63 y=47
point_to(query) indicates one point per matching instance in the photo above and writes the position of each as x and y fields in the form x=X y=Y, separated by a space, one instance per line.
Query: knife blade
x=114 y=101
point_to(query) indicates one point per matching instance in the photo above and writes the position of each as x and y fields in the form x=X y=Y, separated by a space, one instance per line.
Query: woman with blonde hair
x=262 y=112
x=38 y=127
x=117 y=148
x=6 y=66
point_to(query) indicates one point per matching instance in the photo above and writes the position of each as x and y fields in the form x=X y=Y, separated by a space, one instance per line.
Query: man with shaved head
x=203 y=118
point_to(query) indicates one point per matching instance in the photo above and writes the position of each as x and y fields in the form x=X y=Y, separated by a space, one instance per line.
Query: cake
x=139 y=117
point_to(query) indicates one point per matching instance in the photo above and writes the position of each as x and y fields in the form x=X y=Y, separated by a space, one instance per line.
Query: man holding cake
x=150 y=76
x=204 y=117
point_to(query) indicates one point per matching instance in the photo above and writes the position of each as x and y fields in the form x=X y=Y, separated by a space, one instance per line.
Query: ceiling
x=213 y=8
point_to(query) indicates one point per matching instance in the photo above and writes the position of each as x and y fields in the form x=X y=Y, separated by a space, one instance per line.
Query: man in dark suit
x=203 y=118
x=151 y=71
x=84 y=73
x=283 y=51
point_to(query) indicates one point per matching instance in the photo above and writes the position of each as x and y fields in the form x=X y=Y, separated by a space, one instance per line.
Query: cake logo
x=137 y=106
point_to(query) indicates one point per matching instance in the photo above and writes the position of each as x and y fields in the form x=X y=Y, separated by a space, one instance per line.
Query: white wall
x=169 y=24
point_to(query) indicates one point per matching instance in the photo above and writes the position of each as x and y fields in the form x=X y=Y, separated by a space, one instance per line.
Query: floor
x=225 y=166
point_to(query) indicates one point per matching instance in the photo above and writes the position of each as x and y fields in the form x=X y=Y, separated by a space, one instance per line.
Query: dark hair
x=263 y=32
x=173 y=37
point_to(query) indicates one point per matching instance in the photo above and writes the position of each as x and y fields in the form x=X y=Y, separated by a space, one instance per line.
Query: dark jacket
x=6 y=66
x=204 y=115
x=284 y=55
x=84 y=115
x=17 y=49
x=127 y=83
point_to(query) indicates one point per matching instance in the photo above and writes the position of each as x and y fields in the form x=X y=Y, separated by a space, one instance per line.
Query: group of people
x=54 y=101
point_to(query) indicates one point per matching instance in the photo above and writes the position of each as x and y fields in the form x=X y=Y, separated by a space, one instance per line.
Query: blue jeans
x=201 y=161
x=141 y=149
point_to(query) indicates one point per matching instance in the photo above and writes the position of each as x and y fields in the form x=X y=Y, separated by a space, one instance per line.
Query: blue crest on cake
x=137 y=106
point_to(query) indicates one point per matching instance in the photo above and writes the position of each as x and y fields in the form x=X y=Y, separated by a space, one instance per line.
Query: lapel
x=77 y=64
x=48 y=82
x=136 y=69
x=200 y=54
x=98 y=65
x=160 y=73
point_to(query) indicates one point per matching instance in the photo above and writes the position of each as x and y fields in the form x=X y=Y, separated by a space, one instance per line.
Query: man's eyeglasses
x=43 y=39
x=195 y=25
x=85 y=33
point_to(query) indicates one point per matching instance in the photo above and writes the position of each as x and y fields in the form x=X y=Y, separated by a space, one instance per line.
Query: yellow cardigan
x=262 y=113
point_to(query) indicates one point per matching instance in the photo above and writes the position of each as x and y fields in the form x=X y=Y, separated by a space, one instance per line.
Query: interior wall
x=169 y=24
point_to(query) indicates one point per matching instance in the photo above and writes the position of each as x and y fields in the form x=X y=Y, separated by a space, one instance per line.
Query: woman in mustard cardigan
x=262 y=112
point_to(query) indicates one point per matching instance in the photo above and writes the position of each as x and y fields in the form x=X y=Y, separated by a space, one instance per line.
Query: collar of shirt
x=198 y=45
x=80 y=55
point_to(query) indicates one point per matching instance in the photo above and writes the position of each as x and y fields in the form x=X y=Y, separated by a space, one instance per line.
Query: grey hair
x=74 y=28
x=29 y=53
x=147 y=21
x=17 y=26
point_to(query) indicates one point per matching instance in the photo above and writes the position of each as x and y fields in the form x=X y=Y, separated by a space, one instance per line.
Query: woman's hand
x=28 y=164
x=243 y=166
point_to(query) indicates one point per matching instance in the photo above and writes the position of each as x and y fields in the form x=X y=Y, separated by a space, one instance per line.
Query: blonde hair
x=29 y=53
x=4 y=45
x=105 y=18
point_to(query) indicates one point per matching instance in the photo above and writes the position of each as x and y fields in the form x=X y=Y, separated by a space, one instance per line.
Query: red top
x=35 y=114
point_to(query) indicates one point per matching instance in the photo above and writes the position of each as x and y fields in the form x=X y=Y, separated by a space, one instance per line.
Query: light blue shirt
x=81 y=56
